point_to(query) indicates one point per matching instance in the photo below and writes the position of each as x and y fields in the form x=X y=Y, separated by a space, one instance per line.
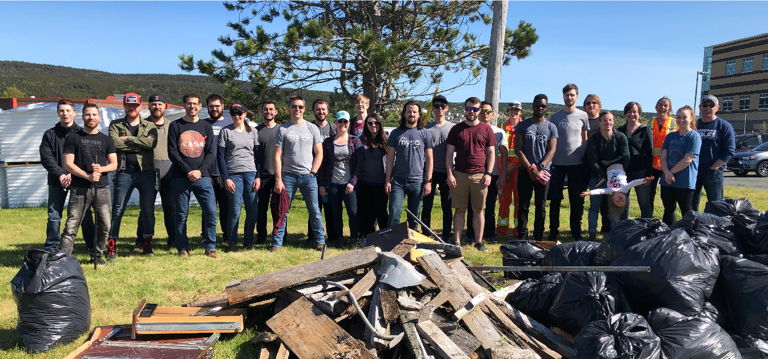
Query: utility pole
x=496 y=56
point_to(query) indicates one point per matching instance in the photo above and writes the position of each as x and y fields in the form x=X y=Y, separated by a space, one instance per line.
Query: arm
x=278 y=159
x=221 y=158
x=111 y=165
x=449 y=150
x=490 y=153
x=592 y=157
x=668 y=177
x=625 y=188
x=550 y=152
x=356 y=164
x=503 y=164
x=114 y=133
x=390 y=164
x=48 y=158
x=647 y=150
x=209 y=151
x=683 y=163
x=318 y=152
x=428 y=170
x=728 y=145
x=325 y=172
x=624 y=156
x=147 y=142
x=69 y=163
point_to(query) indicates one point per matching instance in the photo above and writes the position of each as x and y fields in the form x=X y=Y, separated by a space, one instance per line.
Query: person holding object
x=680 y=165
x=617 y=189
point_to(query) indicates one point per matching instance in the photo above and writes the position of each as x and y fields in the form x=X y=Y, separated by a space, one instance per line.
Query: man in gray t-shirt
x=267 y=131
x=439 y=129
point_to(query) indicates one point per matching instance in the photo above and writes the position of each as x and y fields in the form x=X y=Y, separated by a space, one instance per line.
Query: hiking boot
x=147 y=250
x=111 y=249
x=319 y=246
x=211 y=253
x=275 y=249
x=184 y=254
x=480 y=246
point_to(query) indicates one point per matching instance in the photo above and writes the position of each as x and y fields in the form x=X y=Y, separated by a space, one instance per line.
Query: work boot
x=319 y=246
x=138 y=248
x=553 y=233
x=111 y=249
x=147 y=250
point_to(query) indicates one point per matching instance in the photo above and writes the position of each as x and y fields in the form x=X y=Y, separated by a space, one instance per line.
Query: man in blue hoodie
x=717 y=147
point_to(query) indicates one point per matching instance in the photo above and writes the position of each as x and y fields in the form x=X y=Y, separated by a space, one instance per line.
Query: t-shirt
x=267 y=141
x=341 y=172
x=677 y=147
x=536 y=136
x=372 y=170
x=594 y=126
x=191 y=147
x=89 y=149
x=570 y=143
x=161 y=160
x=718 y=141
x=356 y=127
x=439 y=135
x=328 y=130
x=297 y=142
x=217 y=126
x=471 y=142
x=131 y=162
x=409 y=145
x=239 y=149
x=501 y=140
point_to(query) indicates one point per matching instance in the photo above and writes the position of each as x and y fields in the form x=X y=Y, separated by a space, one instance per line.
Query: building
x=737 y=73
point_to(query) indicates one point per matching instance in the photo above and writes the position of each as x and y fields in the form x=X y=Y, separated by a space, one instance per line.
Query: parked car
x=755 y=160
x=749 y=141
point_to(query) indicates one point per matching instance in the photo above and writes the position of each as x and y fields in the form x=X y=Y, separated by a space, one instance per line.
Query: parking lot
x=750 y=181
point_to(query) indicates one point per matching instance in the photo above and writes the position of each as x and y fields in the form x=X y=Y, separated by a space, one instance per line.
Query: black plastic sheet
x=743 y=215
x=522 y=253
x=626 y=234
x=691 y=337
x=623 y=335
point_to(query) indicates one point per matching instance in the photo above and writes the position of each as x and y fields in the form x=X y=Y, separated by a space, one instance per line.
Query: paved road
x=750 y=181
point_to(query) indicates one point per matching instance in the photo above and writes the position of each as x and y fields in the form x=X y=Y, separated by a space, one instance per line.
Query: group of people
x=353 y=164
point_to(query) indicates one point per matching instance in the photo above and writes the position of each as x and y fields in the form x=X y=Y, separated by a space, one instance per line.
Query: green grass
x=165 y=279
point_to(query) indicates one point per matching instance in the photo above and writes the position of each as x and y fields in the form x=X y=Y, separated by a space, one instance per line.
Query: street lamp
x=696 y=89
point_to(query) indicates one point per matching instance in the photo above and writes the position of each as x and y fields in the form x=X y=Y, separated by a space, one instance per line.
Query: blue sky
x=622 y=51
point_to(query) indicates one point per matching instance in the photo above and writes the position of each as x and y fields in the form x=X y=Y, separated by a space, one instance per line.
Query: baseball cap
x=515 y=104
x=236 y=107
x=342 y=115
x=131 y=98
x=156 y=98
x=440 y=99
x=709 y=98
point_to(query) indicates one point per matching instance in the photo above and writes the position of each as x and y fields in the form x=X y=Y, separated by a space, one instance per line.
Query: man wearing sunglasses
x=439 y=129
x=718 y=143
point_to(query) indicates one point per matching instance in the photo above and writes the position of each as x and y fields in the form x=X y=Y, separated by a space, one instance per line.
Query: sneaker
x=147 y=248
x=480 y=246
x=184 y=254
x=211 y=253
x=275 y=249
x=319 y=246
x=111 y=249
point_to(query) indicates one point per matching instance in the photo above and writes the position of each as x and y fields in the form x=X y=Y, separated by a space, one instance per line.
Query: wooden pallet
x=153 y=319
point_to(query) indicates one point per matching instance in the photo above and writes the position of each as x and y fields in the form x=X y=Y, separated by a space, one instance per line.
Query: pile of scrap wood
x=417 y=303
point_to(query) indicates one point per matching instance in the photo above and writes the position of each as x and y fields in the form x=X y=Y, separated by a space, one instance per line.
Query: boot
x=147 y=248
x=138 y=247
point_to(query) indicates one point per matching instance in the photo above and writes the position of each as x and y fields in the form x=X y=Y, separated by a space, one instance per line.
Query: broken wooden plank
x=474 y=302
x=219 y=300
x=408 y=319
x=440 y=342
x=389 y=307
x=310 y=334
x=246 y=289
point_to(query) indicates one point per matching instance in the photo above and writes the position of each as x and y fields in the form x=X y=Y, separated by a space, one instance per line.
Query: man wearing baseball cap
x=509 y=191
x=718 y=143
x=162 y=161
x=135 y=140
x=439 y=128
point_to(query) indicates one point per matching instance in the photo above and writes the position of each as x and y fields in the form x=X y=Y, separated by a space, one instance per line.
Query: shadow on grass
x=9 y=339
x=13 y=255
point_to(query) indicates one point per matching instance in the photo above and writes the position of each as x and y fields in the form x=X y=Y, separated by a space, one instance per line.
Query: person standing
x=89 y=155
x=592 y=106
x=135 y=139
x=439 y=129
x=362 y=103
x=59 y=178
x=662 y=125
x=162 y=163
x=409 y=164
x=718 y=144
x=509 y=195
x=474 y=144
x=327 y=129
x=215 y=106
x=267 y=132
x=298 y=154
x=680 y=164
x=535 y=144
x=572 y=128
x=191 y=149
x=370 y=172
x=639 y=138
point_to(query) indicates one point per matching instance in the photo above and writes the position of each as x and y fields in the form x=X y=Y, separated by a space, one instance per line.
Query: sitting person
x=617 y=188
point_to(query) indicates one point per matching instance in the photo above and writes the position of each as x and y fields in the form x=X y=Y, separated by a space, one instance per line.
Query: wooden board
x=153 y=319
x=440 y=342
x=310 y=334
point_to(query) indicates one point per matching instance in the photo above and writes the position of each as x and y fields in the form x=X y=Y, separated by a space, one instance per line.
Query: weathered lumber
x=476 y=300
x=219 y=300
x=408 y=318
x=243 y=290
x=310 y=334
x=440 y=342
x=376 y=318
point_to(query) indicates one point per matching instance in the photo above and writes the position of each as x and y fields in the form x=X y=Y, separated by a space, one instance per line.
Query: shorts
x=468 y=186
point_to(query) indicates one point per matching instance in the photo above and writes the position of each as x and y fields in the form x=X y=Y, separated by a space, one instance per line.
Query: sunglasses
x=373 y=123
x=236 y=113
x=708 y=104
x=591 y=103
x=298 y=107
x=343 y=120
x=486 y=112
x=539 y=106
x=471 y=109
x=439 y=105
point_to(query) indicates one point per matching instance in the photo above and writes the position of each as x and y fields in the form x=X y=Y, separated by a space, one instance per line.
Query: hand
x=322 y=191
x=669 y=177
x=427 y=188
x=648 y=179
x=194 y=175
x=279 y=186
x=256 y=184
x=94 y=177
x=584 y=194
x=350 y=188
x=96 y=167
x=715 y=167
x=486 y=181
x=65 y=180
x=123 y=138
x=388 y=188
x=229 y=185
x=451 y=181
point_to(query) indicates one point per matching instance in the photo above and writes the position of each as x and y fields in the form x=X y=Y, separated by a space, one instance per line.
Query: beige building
x=738 y=76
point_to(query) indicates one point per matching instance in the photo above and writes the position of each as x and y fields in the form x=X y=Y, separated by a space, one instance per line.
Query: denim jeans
x=643 y=194
x=595 y=202
x=57 y=196
x=124 y=184
x=439 y=180
x=81 y=198
x=244 y=194
x=400 y=188
x=220 y=192
x=203 y=190
x=712 y=181
x=337 y=195
x=265 y=192
x=307 y=184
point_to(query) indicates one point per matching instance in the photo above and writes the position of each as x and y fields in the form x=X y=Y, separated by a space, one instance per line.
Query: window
x=730 y=67
x=728 y=103
x=746 y=65
x=763 y=104
x=744 y=103
x=750 y=141
x=765 y=61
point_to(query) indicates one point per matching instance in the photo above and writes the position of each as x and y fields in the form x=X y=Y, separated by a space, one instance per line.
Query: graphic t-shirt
x=191 y=147
x=570 y=143
x=409 y=145
x=536 y=136
x=89 y=149
x=297 y=142
x=328 y=130
x=677 y=147
x=470 y=143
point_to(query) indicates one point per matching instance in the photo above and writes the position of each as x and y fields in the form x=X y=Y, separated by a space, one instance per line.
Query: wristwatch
x=487 y=174
x=313 y=173
x=428 y=180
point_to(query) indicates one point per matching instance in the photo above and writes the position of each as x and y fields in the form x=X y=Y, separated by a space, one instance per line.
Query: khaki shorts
x=468 y=186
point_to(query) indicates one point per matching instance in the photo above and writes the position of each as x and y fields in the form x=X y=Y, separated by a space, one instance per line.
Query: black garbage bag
x=751 y=348
x=578 y=253
x=743 y=285
x=522 y=253
x=741 y=213
x=683 y=273
x=623 y=335
x=585 y=297
x=758 y=242
x=534 y=297
x=691 y=337
x=626 y=234
x=52 y=299
x=759 y=258
x=709 y=227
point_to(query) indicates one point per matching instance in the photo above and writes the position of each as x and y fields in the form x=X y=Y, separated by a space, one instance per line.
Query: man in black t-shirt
x=89 y=155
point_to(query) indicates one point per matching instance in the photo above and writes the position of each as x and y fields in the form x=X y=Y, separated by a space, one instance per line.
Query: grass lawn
x=166 y=279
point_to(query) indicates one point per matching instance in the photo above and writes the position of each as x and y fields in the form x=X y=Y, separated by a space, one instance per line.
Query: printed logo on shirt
x=409 y=143
x=295 y=136
x=614 y=181
x=708 y=133
x=532 y=136
x=571 y=125
x=191 y=144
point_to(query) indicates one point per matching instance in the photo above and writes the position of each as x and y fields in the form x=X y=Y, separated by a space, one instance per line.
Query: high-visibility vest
x=510 y=131
x=658 y=137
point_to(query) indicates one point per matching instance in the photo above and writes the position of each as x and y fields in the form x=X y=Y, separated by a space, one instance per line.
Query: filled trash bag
x=585 y=297
x=626 y=234
x=759 y=258
x=578 y=253
x=743 y=285
x=751 y=348
x=709 y=227
x=522 y=253
x=741 y=213
x=52 y=299
x=691 y=337
x=758 y=242
x=534 y=297
x=683 y=273
x=622 y=336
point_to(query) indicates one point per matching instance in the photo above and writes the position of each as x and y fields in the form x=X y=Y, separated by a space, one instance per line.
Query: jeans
x=203 y=190
x=595 y=203
x=375 y=208
x=439 y=180
x=643 y=194
x=653 y=186
x=244 y=194
x=265 y=192
x=57 y=196
x=414 y=189
x=673 y=197
x=169 y=208
x=712 y=181
x=576 y=184
x=220 y=192
x=80 y=198
x=489 y=232
x=336 y=196
x=307 y=184
x=124 y=184
x=527 y=187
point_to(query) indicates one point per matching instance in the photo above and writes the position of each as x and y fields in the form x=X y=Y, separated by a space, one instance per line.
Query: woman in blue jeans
x=239 y=167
